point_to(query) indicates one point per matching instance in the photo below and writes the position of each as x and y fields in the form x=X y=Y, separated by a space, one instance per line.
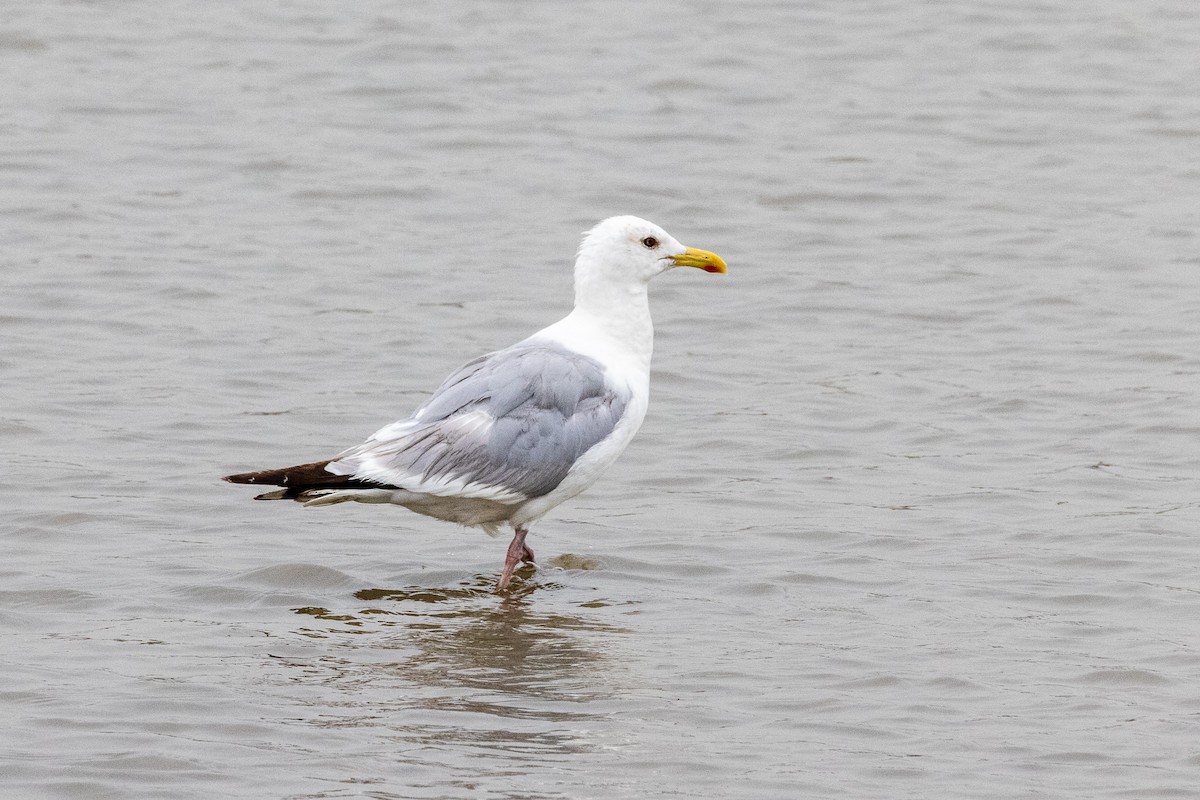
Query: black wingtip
x=298 y=479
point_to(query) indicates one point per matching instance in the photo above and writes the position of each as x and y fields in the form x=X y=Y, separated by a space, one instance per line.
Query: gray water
x=916 y=510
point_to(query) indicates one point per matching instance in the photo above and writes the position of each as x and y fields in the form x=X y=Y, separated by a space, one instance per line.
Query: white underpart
x=628 y=366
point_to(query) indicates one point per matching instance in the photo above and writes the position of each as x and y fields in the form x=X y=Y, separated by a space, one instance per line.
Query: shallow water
x=914 y=512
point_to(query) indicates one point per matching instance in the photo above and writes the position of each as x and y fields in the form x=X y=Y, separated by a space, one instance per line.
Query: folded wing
x=506 y=427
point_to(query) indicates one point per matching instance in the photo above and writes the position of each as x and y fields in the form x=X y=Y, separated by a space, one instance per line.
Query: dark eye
x=650 y=242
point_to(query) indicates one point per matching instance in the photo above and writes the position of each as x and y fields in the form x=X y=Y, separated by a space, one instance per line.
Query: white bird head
x=629 y=250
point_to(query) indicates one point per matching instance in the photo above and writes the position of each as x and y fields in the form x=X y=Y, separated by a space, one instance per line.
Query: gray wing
x=507 y=426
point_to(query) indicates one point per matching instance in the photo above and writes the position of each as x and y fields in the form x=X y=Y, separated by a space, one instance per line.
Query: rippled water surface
x=915 y=511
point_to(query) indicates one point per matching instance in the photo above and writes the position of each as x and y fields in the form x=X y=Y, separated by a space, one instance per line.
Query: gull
x=514 y=433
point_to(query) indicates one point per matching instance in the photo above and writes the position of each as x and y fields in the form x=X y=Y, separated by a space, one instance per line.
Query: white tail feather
x=329 y=497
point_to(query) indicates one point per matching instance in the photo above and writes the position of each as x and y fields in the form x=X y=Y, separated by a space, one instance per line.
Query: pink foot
x=517 y=551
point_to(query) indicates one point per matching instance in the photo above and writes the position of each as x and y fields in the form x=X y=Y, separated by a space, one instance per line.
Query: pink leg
x=517 y=551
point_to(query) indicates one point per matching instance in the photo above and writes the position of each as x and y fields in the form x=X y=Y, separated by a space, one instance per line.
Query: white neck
x=610 y=322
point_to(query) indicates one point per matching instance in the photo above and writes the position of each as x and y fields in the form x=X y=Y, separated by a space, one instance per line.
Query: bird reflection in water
x=473 y=676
